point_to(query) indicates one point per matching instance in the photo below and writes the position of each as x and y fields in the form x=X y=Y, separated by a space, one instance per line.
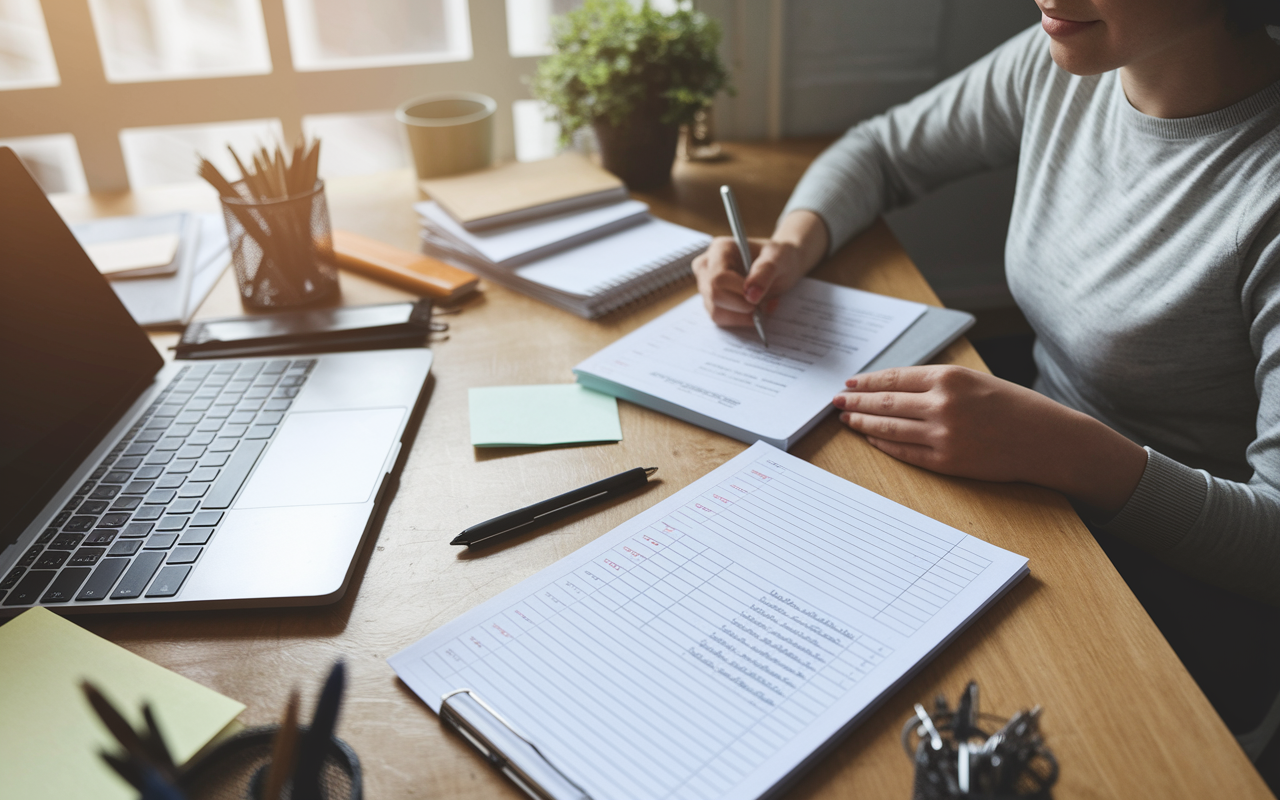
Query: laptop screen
x=71 y=357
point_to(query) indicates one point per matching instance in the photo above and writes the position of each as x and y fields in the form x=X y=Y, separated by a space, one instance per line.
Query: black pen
x=535 y=516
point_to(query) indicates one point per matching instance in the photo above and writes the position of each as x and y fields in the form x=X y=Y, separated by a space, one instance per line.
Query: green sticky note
x=50 y=736
x=534 y=416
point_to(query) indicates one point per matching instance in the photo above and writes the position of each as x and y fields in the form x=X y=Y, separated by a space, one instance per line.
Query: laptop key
x=126 y=503
x=106 y=491
x=172 y=522
x=183 y=555
x=101 y=536
x=81 y=524
x=159 y=457
x=202 y=439
x=169 y=581
x=183 y=505
x=73 y=503
x=52 y=559
x=11 y=579
x=148 y=473
x=160 y=496
x=125 y=547
x=64 y=588
x=203 y=474
x=181 y=466
x=135 y=530
x=29 y=557
x=170 y=443
x=128 y=462
x=214 y=460
x=116 y=476
x=92 y=507
x=86 y=556
x=238 y=468
x=113 y=520
x=233 y=431
x=171 y=481
x=139 y=449
x=66 y=541
x=196 y=536
x=62 y=518
x=279 y=404
x=29 y=588
x=47 y=536
x=103 y=578
x=148 y=513
x=206 y=518
x=160 y=541
x=260 y=432
x=193 y=490
x=139 y=574
x=138 y=487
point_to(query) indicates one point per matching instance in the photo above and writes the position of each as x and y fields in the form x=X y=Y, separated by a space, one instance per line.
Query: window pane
x=536 y=136
x=357 y=144
x=26 y=57
x=529 y=24
x=170 y=154
x=54 y=161
x=340 y=34
x=154 y=40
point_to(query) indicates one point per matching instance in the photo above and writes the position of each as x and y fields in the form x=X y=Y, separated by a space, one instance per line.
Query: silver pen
x=740 y=234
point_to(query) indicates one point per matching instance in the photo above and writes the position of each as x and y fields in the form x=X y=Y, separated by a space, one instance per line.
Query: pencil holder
x=237 y=769
x=282 y=249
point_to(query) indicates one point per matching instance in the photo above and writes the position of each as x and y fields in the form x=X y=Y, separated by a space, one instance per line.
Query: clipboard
x=509 y=751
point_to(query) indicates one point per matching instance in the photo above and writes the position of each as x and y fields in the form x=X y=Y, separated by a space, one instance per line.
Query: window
x=339 y=34
x=155 y=156
x=150 y=40
x=26 y=57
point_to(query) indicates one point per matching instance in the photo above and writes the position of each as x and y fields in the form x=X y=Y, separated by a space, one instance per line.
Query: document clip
x=506 y=748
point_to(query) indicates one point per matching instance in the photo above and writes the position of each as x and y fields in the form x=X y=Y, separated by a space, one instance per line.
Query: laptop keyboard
x=137 y=527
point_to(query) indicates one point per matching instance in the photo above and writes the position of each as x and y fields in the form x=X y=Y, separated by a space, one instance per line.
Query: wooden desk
x=1122 y=715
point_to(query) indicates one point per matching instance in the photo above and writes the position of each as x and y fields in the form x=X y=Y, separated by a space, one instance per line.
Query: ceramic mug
x=449 y=133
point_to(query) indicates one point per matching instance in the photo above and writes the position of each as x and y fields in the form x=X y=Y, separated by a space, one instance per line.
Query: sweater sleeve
x=1223 y=532
x=966 y=124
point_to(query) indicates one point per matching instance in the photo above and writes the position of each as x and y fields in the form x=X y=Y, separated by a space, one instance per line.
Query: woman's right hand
x=777 y=264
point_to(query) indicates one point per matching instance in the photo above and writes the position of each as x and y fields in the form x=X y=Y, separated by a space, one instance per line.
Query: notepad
x=725 y=379
x=512 y=245
x=712 y=645
x=595 y=277
x=50 y=737
x=537 y=416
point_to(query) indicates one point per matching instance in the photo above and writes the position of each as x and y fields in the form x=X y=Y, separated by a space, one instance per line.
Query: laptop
x=129 y=484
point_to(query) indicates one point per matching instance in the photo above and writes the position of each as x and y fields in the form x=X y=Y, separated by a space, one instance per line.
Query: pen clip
x=494 y=755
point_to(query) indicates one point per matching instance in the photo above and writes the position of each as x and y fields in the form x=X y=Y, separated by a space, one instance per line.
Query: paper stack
x=586 y=259
x=162 y=266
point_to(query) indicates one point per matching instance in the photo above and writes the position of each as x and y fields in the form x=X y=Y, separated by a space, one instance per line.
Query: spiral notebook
x=589 y=278
x=713 y=646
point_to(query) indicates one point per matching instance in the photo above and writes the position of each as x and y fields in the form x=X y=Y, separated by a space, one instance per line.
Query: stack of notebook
x=561 y=231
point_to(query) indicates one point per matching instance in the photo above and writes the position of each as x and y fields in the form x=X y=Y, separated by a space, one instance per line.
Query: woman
x=1144 y=249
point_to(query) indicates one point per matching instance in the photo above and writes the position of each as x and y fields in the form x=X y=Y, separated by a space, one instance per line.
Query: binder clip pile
x=968 y=754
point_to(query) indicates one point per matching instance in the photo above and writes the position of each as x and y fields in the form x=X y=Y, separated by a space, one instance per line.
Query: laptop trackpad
x=324 y=457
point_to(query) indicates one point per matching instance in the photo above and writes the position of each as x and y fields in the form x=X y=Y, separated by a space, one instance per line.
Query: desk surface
x=1122 y=715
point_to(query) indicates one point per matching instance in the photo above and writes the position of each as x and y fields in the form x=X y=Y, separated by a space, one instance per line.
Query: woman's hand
x=962 y=422
x=777 y=263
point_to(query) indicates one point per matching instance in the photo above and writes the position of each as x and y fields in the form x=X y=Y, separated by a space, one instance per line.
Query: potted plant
x=635 y=75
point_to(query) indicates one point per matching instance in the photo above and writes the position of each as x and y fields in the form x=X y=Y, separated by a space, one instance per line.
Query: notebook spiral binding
x=644 y=283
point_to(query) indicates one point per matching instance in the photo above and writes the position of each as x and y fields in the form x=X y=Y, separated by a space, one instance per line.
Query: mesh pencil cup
x=282 y=249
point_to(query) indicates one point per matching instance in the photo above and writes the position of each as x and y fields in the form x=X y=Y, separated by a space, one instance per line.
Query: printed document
x=705 y=648
x=819 y=335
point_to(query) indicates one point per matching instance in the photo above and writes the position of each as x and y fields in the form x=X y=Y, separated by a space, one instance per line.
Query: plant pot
x=640 y=151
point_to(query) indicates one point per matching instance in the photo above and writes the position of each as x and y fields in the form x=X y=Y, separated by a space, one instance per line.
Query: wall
x=819 y=66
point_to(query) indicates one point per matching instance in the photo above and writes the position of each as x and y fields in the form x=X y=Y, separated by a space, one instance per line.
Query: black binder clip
x=975 y=756
x=509 y=751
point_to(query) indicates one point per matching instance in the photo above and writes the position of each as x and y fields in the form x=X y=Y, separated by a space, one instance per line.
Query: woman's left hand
x=962 y=422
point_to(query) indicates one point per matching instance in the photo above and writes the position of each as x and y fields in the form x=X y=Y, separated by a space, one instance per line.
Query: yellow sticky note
x=50 y=736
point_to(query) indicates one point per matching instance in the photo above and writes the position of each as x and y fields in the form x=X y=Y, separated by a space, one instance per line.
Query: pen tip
x=458 y=540
x=649 y=471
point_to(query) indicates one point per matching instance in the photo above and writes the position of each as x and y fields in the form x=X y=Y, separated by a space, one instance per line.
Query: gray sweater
x=1144 y=253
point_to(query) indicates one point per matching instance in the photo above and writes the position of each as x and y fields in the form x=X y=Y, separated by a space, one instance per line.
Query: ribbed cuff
x=1165 y=505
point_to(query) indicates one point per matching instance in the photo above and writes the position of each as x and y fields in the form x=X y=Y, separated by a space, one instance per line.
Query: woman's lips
x=1063 y=27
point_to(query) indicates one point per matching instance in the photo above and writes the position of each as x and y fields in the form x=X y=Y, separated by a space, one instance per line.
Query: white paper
x=819 y=335
x=505 y=245
x=127 y=255
x=704 y=648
